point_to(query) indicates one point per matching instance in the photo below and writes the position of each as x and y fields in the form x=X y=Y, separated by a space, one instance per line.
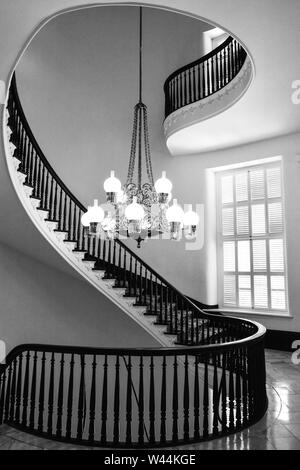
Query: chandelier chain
x=147 y=148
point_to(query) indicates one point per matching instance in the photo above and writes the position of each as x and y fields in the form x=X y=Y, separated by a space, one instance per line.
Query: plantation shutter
x=252 y=247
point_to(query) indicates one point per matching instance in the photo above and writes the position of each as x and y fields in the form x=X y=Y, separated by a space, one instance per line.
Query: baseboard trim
x=281 y=340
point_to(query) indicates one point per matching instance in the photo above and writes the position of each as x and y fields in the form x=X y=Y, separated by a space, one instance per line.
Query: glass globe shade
x=134 y=211
x=112 y=184
x=95 y=213
x=174 y=213
x=85 y=218
x=190 y=217
x=163 y=185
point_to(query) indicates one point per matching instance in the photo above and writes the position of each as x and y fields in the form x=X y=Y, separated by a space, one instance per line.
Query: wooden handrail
x=258 y=335
x=202 y=59
x=203 y=77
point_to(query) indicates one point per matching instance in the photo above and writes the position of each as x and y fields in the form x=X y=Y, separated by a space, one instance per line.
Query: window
x=251 y=238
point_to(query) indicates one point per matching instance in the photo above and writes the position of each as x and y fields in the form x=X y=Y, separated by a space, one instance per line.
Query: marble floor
x=278 y=430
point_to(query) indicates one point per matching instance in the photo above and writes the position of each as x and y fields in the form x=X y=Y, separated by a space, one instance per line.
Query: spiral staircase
x=207 y=379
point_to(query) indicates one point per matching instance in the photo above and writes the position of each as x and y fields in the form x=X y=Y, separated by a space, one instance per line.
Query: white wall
x=39 y=304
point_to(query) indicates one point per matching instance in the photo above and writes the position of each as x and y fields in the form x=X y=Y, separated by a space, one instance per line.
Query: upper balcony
x=203 y=89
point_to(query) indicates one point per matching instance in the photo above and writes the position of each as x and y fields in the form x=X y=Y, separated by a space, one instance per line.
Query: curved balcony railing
x=205 y=76
x=135 y=397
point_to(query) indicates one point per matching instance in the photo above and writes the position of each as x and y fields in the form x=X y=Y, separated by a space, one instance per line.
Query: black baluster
x=117 y=402
x=152 y=403
x=13 y=391
x=141 y=403
x=224 y=393
x=19 y=389
x=51 y=396
x=42 y=205
x=42 y=395
x=166 y=305
x=194 y=84
x=186 y=401
x=190 y=86
x=205 y=398
x=26 y=390
x=70 y=399
x=212 y=60
x=163 y=403
x=175 y=402
x=33 y=392
x=75 y=211
x=135 y=278
x=128 y=402
x=104 y=403
x=46 y=191
x=238 y=388
x=93 y=401
x=60 y=217
x=124 y=269
x=60 y=399
x=55 y=216
x=231 y=391
x=2 y=396
x=141 y=285
x=51 y=215
x=161 y=303
x=81 y=399
x=130 y=277
x=70 y=219
x=215 y=397
x=35 y=176
x=196 y=401
x=217 y=72
x=65 y=227
x=7 y=396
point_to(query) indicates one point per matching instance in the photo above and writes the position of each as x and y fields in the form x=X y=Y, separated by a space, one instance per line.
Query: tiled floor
x=279 y=429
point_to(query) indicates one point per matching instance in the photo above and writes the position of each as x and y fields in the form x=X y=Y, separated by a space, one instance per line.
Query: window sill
x=235 y=312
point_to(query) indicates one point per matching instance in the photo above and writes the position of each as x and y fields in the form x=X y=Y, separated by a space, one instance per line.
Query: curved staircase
x=208 y=381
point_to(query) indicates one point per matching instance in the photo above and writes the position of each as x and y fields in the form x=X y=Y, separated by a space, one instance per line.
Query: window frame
x=220 y=238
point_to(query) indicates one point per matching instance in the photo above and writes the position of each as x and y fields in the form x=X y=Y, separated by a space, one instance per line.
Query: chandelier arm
x=147 y=148
x=133 y=149
x=140 y=148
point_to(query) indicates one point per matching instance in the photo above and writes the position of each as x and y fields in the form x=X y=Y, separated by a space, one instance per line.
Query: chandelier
x=139 y=209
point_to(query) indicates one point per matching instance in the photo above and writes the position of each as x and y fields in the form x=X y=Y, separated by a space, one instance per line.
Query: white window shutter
x=252 y=231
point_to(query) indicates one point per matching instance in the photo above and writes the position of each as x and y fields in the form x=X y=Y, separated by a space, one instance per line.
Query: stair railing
x=205 y=76
x=86 y=395
x=181 y=316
